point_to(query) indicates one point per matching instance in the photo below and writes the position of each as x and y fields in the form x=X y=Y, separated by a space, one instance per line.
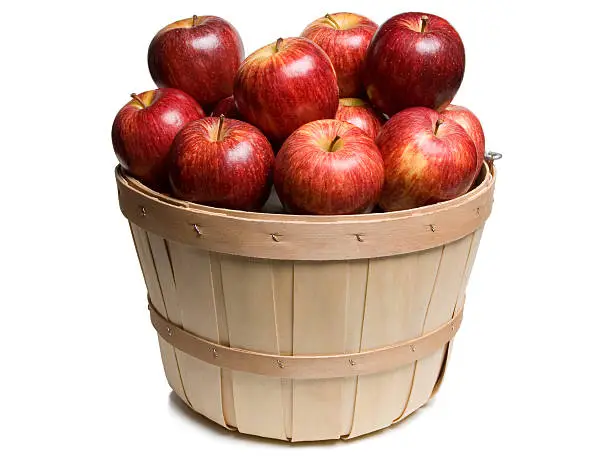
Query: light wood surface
x=313 y=293
x=401 y=288
x=168 y=353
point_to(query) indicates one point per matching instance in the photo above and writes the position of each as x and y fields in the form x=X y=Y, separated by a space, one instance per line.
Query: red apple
x=226 y=107
x=345 y=38
x=222 y=163
x=199 y=55
x=414 y=60
x=284 y=85
x=144 y=129
x=427 y=159
x=328 y=167
x=468 y=121
x=360 y=114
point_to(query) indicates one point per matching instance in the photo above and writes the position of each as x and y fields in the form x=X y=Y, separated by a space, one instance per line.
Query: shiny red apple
x=328 y=167
x=468 y=121
x=222 y=163
x=226 y=107
x=345 y=38
x=361 y=114
x=144 y=129
x=427 y=157
x=414 y=60
x=199 y=55
x=284 y=85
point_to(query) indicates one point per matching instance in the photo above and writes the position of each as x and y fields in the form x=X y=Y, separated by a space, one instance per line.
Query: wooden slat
x=470 y=262
x=282 y=277
x=251 y=318
x=227 y=376
x=320 y=300
x=195 y=300
x=446 y=293
x=149 y=273
x=356 y=291
x=398 y=292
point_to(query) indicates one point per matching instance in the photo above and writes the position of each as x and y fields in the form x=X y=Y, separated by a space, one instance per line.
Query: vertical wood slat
x=227 y=385
x=147 y=265
x=323 y=299
x=460 y=302
x=399 y=290
x=197 y=314
x=357 y=287
x=282 y=277
x=251 y=318
x=446 y=292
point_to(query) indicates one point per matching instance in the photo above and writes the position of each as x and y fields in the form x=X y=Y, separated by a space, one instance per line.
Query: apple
x=144 y=129
x=345 y=38
x=328 y=167
x=227 y=108
x=222 y=162
x=199 y=55
x=284 y=85
x=414 y=60
x=468 y=121
x=361 y=114
x=427 y=158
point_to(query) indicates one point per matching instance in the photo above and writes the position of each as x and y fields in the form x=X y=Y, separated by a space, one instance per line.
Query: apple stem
x=333 y=143
x=331 y=19
x=221 y=118
x=424 y=20
x=278 y=43
x=438 y=123
x=193 y=20
x=138 y=99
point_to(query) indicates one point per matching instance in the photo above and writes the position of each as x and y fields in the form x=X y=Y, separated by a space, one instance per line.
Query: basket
x=305 y=328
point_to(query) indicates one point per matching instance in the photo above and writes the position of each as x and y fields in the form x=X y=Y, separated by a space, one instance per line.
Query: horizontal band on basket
x=302 y=366
x=295 y=237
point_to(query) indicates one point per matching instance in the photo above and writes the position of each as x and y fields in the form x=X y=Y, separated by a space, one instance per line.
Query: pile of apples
x=347 y=118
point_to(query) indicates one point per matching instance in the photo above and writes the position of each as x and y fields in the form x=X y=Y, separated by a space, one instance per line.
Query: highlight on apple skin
x=284 y=85
x=199 y=55
x=328 y=167
x=427 y=159
x=468 y=121
x=222 y=163
x=345 y=38
x=414 y=60
x=144 y=129
x=361 y=114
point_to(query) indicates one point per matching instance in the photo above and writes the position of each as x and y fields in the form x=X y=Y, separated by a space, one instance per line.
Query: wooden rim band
x=298 y=237
x=302 y=366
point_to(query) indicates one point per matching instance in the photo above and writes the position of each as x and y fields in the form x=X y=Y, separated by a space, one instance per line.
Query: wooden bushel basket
x=305 y=328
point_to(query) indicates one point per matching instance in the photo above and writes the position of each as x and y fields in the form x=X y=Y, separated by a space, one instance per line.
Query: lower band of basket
x=306 y=366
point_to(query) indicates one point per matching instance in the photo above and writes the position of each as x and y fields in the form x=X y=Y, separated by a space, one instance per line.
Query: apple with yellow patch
x=361 y=114
x=427 y=159
x=468 y=121
x=345 y=38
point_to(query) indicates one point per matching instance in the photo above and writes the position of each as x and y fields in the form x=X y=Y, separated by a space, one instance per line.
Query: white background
x=81 y=374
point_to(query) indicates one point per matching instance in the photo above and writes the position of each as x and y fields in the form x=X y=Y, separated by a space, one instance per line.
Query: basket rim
x=306 y=237
x=486 y=177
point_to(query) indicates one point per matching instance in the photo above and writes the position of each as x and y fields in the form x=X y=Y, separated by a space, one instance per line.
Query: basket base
x=179 y=403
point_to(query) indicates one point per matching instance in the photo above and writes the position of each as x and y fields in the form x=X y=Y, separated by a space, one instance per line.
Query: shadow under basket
x=304 y=328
